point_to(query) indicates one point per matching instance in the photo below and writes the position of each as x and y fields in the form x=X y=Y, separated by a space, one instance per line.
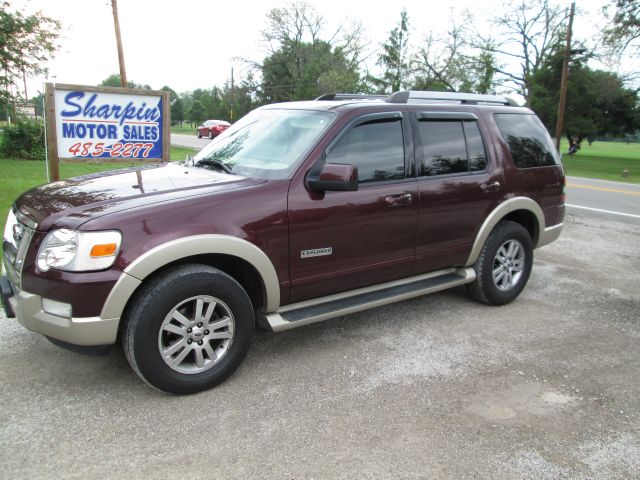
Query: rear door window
x=451 y=147
x=528 y=140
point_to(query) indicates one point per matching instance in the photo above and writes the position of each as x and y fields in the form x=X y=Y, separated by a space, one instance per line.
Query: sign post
x=106 y=123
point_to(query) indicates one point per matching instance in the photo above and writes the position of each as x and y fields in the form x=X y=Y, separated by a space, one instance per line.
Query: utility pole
x=563 y=82
x=116 y=23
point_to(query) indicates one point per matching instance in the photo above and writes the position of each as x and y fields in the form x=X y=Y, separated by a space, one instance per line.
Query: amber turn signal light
x=105 y=250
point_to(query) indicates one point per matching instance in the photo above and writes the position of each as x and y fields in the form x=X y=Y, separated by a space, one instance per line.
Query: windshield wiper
x=215 y=163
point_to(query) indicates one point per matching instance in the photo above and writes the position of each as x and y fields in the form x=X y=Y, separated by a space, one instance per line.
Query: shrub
x=23 y=140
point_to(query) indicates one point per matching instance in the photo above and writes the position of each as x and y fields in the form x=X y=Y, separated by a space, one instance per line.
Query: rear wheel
x=189 y=329
x=504 y=265
x=211 y=134
x=198 y=134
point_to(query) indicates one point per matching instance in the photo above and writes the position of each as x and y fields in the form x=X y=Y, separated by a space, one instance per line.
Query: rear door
x=345 y=240
x=458 y=183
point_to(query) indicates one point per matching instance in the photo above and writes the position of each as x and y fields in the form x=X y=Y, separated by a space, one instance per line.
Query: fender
x=501 y=211
x=174 y=250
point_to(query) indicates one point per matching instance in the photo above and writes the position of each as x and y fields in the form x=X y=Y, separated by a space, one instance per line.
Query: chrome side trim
x=177 y=249
x=550 y=234
x=511 y=205
x=279 y=324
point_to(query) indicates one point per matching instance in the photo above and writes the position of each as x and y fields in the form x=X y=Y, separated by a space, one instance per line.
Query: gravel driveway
x=436 y=387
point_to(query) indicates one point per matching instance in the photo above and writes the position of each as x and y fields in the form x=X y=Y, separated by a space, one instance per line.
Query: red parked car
x=212 y=128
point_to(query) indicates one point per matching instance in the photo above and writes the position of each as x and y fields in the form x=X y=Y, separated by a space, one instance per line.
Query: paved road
x=602 y=198
x=435 y=387
x=188 y=140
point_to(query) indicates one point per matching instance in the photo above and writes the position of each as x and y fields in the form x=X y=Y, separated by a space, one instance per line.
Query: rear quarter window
x=528 y=140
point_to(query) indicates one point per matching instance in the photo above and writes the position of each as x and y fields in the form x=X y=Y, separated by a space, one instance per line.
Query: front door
x=345 y=240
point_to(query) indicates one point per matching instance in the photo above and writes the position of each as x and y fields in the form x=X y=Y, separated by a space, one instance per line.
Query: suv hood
x=82 y=198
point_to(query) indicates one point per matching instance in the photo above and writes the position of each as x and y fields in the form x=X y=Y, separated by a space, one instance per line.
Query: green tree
x=454 y=63
x=177 y=112
x=394 y=58
x=172 y=93
x=598 y=103
x=114 y=81
x=526 y=33
x=301 y=64
x=26 y=43
x=624 y=31
x=196 y=112
x=305 y=71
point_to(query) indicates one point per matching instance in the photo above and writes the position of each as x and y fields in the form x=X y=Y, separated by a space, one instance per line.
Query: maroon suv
x=297 y=213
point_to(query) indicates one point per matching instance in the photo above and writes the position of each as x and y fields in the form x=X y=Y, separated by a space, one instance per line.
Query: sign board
x=105 y=123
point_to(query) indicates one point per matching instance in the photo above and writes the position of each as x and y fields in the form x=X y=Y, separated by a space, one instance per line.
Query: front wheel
x=188 y=329
x=210 y=135
x=198 y=134
x=504 y=265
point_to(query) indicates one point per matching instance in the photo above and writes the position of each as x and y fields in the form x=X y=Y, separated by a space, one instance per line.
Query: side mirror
x=334 y=177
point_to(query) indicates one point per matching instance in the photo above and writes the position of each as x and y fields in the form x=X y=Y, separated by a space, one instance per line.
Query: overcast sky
x=190 y=44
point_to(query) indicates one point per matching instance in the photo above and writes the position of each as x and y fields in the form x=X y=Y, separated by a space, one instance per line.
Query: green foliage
x=26 y=42
x=172 y=93
x=196 y=112
x=302 y=65
x=305 y=70
x=24 y=139
x=114 y=81
x=177 y=111
x=454 y=63
x=624 y=31
x=394 y=58
x=598 y=103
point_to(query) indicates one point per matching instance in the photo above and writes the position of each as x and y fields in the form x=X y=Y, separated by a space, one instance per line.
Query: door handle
x=490 y=187
x=398 y=199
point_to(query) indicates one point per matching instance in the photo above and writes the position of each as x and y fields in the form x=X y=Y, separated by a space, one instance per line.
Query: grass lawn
x=185 y=129
x=605 y=160
x=16 y=176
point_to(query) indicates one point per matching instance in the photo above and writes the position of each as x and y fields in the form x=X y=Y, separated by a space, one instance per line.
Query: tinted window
x=528 y=140
x=475 y=147
x=446 y=151
x=376 y=148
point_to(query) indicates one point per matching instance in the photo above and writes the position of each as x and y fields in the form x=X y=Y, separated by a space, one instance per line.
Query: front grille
x=17 y=238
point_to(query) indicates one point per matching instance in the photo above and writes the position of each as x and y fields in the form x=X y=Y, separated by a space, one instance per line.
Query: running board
x=331 y=306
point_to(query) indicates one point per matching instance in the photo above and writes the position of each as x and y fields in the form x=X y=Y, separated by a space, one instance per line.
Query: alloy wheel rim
x=508 y=265
x=196 y=334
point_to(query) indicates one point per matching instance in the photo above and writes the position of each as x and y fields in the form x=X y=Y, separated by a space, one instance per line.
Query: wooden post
x=564 y=81
x=52 y=139
x=166 y=127
x=116 y=23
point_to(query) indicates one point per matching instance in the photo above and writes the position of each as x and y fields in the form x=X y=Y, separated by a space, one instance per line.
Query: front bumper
x=83 y=331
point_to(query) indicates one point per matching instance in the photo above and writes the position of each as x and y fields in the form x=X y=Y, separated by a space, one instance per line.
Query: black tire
x=210 y=135
x=145 y=323
x=484 y=288
x=198 y=134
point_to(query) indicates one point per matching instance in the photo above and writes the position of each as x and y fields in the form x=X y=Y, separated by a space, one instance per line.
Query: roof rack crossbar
x=351 y=96
x=417 y=96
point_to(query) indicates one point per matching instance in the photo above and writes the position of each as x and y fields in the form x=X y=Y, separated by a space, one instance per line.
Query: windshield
x=266 y=143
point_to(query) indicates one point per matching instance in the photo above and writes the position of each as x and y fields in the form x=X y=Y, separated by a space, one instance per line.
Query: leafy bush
x=23 y=140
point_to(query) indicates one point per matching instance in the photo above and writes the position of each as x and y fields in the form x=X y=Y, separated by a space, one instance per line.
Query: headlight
x=75 y=251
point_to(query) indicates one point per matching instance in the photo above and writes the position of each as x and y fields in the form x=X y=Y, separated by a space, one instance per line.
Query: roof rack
x=417 y=96
x=351 y=96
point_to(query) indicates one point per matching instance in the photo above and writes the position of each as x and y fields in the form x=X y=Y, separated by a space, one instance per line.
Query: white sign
x=93 y=124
